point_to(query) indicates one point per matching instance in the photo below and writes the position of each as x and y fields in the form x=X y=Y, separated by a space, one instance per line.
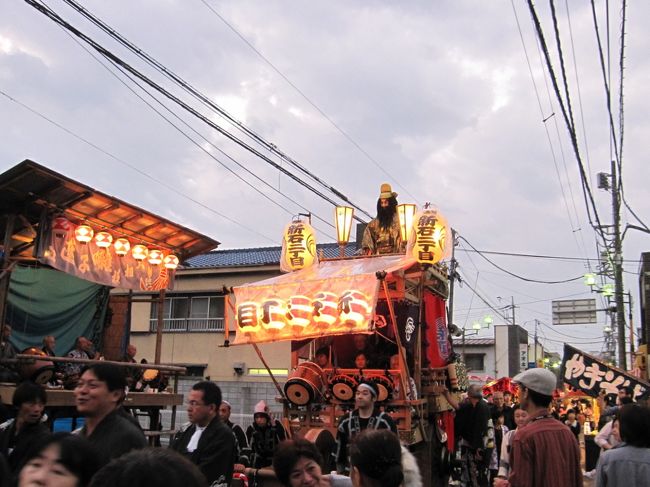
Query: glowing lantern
x=84 y=233
x=354 y=308
x=61 y=226
x=325 y=309
x=299 y=311
x=344 y=216
x=273 y=314
x=155 y=256
x=298 y=246
x=247 y=317
x=122 y=247
x=171 y=261
x=590 y=279
x=406 y=212
x=103 y=239
x=430 y=245
x=139 y=252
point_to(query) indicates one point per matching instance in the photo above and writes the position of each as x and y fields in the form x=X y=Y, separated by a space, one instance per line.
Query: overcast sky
x=436 y=98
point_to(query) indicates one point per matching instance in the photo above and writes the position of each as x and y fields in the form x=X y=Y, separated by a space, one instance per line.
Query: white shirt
x=194 y=441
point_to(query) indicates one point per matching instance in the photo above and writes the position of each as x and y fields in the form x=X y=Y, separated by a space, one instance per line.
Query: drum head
x=43 y=375
x=298 y=393
x=343 y=390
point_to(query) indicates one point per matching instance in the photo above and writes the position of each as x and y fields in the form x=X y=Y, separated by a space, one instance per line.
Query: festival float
x=398 y=301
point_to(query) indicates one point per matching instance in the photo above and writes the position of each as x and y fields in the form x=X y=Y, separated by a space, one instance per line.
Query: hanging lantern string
x=130 y=237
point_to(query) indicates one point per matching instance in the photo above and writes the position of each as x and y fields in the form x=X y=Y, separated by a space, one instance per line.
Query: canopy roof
x=30 y=192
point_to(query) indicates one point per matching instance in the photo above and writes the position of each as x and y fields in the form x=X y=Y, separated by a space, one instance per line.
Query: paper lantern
x=431 y=237
x=61 y=226
x=298 y=246
x=325 y=309
x=171 y=261
x=406 y=213
x=354 y=308
x=139 y=252
x=273 y=314
x=299 y=311
x=122 y=247
x=103 y=240
x=84 y=233
x=248 y=317
x=155 y=256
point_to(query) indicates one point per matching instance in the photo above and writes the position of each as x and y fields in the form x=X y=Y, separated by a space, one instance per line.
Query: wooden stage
x=63 y=397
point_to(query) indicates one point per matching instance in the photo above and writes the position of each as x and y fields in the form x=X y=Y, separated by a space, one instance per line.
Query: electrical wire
x=563 y=281
x=306 y=98
x=206 y=100
x=134 y=168
x=587 y=193
x=119 y=62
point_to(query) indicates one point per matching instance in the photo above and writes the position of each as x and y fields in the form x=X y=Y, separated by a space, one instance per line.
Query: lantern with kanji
x=431 y=237
x=354 y=308
x=273 y=313
x=298 y=246
x=61 y=226
x=325 y=309
x=299 y=311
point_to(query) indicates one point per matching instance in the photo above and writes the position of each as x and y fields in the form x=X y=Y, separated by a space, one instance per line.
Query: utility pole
x=618 y=271
x=452 y=278
x=536 y=323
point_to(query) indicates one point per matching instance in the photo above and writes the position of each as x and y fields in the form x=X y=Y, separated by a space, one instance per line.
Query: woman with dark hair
x=150 y=467
x=376 y=459
x=62 y=460
x=297 y=463
x=629 y=463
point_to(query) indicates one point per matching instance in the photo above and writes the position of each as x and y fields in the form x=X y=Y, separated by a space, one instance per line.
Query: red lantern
x=354 y=308
x=324 y=309
x=299 y=311
x=248 y=317
x=273 y=314
x=61 y=226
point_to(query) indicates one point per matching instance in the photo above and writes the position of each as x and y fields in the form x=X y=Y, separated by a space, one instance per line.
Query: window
x=475 y=361
x=190 y=313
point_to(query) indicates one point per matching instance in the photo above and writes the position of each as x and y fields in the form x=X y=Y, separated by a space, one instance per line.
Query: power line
x=307 y=99
x=134 y=168
x=563 y=281
x=210 y=104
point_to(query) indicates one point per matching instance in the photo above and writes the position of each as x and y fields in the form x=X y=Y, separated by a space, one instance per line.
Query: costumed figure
x=382 y=235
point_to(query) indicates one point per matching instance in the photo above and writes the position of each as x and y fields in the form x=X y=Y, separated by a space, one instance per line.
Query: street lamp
x=344 y=216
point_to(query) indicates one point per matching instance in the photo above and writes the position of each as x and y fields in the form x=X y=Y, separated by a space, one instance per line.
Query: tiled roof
x=257 y=256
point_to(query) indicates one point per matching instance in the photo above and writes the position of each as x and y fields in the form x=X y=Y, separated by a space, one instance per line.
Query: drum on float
x=40 y=370
x=343 y=387
x=305 y=384
x=384 y=387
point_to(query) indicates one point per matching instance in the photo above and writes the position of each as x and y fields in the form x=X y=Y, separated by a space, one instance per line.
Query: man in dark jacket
x=98 y=396
x=20 y=437
x=206 y=441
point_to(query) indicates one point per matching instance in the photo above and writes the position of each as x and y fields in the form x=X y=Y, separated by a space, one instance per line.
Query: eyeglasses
x=194 y=403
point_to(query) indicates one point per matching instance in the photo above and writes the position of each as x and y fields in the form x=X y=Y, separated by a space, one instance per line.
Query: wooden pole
x=159 y=325
x=268 y=369
x=406 y=384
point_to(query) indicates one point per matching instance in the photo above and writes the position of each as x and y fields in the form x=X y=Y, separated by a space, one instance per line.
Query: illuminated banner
x=101 y=264
x=329 y=298
x=592 y=375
